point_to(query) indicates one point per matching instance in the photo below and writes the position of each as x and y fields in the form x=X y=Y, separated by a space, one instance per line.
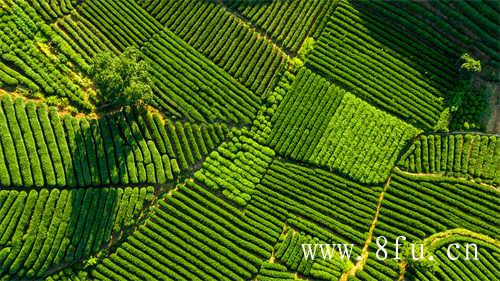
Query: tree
x=470 y=64
x=121 y=80
x=469 y=100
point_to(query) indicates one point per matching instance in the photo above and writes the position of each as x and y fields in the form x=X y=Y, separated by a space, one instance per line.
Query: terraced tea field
x=217 y=140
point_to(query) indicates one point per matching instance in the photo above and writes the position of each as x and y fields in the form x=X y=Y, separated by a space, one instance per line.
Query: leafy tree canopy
x=470 y=64
x=121 y=80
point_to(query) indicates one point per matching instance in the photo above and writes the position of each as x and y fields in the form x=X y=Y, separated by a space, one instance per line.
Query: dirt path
x=364 y=252
x=440 y=175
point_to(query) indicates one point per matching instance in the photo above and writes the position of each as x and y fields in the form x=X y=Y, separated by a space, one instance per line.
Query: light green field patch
x=362 y=141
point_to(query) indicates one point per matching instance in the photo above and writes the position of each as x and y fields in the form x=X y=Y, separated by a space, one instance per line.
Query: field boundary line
x=254 y=28
x=364 y=252
x=438 y=176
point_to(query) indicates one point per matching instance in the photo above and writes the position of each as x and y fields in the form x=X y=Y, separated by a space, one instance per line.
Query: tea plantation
x=212 y=139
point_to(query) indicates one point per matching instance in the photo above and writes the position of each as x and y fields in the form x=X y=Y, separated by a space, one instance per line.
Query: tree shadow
x=107 y=168
x=43 y=148
x=405 y=29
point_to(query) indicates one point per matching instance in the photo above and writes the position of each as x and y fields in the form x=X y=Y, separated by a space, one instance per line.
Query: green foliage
x=122 y=80
x=288 y=251
x=53 y=226
x=57 y=101
x=307 y=47
x=472 y=110
x=236 y=167
x=282 y=21
x=438 y=204
x=469 y=100
x=55 y=9
x=295 y=64
x=470 y=64
x=425 y=264
x=233 y=46
x=247 y=208
x=320 y=123
x=35 y=59
x=41 y=148
x=195 y=226
x=473 y=158
x=443 y=122
x=369 y=48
